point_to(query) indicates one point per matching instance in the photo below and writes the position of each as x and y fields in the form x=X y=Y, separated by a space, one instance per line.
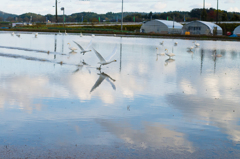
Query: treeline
x=195 y=14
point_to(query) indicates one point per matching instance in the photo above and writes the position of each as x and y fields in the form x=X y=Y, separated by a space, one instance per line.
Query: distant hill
x=180 y=16
x=4 y=15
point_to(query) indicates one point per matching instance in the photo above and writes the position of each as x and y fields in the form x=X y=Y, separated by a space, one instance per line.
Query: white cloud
x=230 y=1
x=159 y=6
x=233 y=9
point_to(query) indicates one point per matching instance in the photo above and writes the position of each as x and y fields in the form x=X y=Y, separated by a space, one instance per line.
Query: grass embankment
x=116 y=29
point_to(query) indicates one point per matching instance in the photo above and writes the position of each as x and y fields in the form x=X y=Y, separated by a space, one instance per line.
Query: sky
x=103 y=6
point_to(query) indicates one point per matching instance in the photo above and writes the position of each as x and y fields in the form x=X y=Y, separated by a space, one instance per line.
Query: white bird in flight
x=71 y=48
x=108 y=60
x=169 y=54
x=102 y=77
x=83 y=51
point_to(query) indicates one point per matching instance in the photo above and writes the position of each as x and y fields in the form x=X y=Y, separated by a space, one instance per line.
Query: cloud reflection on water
x=153 y=135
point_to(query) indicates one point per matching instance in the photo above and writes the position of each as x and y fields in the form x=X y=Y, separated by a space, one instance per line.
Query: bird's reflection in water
x=170 y=60
x=102 y=77
x=81 y=65
x=72 y=53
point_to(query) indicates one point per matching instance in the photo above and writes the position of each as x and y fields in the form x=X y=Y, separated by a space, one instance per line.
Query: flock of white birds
x=103 y=61
x=189 y=49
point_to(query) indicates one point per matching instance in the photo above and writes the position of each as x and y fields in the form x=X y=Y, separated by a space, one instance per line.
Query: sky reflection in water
x=143 y=100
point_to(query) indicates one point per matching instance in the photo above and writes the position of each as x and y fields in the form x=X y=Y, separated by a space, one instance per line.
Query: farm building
x=237 y=31
x=202 y=28
x=162 y=27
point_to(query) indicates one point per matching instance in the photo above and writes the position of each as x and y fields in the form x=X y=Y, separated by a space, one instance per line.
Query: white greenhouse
x=202 y=28
x=162 y=27
x=237 y=31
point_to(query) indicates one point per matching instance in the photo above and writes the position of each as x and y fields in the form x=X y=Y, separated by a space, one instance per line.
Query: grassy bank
x=127 y=33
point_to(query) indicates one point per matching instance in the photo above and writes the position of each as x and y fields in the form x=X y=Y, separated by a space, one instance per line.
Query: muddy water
x=142 y=106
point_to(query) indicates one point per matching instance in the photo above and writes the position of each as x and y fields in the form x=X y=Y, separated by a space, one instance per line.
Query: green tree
x=204 y=15
x=235 y=18
x=224 y=17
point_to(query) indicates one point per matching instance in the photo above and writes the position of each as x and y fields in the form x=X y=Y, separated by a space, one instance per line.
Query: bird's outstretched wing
x=78 y=45
x=99 y=56
x=112 y=54
x=89 y=45
x=99 y=81
x=113 y=86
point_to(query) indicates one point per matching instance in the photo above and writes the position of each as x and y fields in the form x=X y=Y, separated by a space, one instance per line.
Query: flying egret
x=65 y=32
x=71 y=48
x=102 y=77
x=161 y=43
x=83 y=51
x=59 y=33
x=169 y=54
x=107 y=61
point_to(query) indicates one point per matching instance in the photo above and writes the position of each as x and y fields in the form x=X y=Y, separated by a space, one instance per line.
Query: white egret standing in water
x=196 y=44
x=12 y=34
x=71 y=48
x=59 y=33
x=83 y=51
x=190 y=48
x=161 y=54
x=36 y=35
x=65 y=32
x=215 y=54
x=169 y=54
x=107 y=61
x=81 y=35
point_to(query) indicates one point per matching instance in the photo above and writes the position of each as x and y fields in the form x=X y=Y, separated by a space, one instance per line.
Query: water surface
x=148 y=106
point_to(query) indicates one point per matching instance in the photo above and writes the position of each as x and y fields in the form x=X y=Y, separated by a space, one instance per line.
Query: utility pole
x=63 y=16
x=203 y=4
x=56 y=12
x=217 y=12
x=122 y=17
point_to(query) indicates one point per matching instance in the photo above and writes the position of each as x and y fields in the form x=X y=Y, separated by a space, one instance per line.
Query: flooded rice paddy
x=55 y=103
